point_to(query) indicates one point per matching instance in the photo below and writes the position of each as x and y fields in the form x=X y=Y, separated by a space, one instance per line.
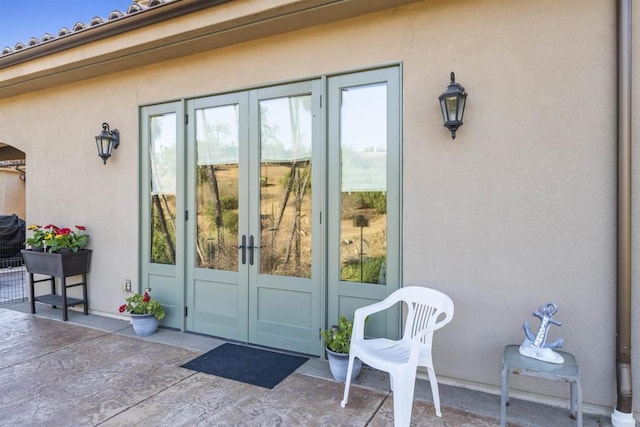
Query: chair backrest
x=426 y=308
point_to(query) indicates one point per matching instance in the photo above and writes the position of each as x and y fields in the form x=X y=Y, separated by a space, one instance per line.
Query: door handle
x=243 y=246
x=251 y=248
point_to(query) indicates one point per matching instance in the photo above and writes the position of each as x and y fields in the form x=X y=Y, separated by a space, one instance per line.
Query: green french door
x=253 y=263
x=268 y=213
x=364 y=197
x=162 y=210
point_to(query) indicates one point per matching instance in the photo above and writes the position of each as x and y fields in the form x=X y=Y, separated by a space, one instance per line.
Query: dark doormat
x=250 y=365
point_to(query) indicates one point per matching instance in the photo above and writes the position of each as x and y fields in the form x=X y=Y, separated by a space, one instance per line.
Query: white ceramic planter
x=338 y=364
x=144 y=324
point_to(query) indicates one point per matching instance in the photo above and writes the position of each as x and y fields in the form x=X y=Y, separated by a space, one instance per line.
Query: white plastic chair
x=427 y=311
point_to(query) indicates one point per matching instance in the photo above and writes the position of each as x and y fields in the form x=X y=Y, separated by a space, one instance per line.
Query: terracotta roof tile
x=135 y=7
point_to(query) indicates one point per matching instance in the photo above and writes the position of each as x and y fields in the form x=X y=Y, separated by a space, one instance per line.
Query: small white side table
x=514 y=363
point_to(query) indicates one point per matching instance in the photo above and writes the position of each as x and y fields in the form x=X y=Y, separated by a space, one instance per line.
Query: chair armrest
x=376 y=307
x=361 y=314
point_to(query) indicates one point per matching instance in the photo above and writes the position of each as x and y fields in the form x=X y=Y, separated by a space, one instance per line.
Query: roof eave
x=107 y=29
x=147 y=40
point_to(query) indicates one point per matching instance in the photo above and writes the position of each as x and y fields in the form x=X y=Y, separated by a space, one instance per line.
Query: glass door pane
x=285 y=186
x=162 y=156
x=363 y=178
x=217 y=157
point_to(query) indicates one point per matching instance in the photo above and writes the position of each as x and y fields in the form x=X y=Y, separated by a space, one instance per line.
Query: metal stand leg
x=65 y=316
x=84 y=294
x=504 y=399
x=578 y=387
x=32 y=294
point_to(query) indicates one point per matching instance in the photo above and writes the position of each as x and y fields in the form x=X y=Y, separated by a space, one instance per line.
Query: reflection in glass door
x=285 y=186
x=217 y=157
x=363 y=171
x=162 y=155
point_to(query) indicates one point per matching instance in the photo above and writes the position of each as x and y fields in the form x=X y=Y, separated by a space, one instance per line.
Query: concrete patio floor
x=93 y=370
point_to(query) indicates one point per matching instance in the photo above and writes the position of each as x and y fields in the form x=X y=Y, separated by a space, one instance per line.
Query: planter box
x=57 y=264
x=60 y=265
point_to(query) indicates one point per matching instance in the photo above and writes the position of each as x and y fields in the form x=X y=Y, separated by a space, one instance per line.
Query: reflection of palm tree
x=158 y=196
x=301 y=180
x=216 y=130
x=216 y=133
x=298 y=179
x=286 y=148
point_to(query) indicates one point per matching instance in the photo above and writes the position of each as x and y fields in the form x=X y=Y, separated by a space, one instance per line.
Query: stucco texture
x=517 y=211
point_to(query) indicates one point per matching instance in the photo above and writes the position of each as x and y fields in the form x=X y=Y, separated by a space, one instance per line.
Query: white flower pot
x=339 y=363
x=144 y=324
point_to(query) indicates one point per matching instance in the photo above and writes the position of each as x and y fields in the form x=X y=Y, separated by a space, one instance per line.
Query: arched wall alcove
x=13 y=169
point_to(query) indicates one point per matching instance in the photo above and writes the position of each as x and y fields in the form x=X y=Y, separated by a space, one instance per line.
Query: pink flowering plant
x=52 y=238
x=143 y=304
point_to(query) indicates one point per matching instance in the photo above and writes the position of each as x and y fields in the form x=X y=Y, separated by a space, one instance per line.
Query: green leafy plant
x=52 y=238
x=37 y=239
x=143 y=304
x=338 y=337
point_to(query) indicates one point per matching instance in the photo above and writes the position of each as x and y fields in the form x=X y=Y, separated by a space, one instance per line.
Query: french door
x=268 y=212
x=254 y=260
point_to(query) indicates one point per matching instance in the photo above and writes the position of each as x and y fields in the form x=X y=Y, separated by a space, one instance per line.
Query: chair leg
x=403 y=401
x=347 y=382
x=435 y=392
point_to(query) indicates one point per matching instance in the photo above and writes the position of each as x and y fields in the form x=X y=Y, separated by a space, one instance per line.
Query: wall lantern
x=107 y=141
x=452 y=105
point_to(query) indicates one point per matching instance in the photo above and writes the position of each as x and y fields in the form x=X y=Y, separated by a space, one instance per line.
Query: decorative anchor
x=536 y=346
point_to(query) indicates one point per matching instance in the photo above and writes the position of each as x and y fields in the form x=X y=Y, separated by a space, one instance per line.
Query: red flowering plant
x=53 y=238
x=142 y=304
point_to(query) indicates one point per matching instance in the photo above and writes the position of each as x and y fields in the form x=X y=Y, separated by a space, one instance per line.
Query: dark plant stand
x=60 y=265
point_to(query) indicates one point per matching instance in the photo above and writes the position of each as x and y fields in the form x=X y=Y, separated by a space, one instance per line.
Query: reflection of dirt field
x=286 y=232
x=217 y=245
x=373 y=237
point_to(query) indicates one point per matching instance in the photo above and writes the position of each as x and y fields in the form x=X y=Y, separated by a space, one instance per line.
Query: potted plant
x=144 y=312
x=337 y=340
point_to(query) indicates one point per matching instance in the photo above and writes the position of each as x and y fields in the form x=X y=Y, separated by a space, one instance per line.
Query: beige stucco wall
x=12 y=193
x=519 y=210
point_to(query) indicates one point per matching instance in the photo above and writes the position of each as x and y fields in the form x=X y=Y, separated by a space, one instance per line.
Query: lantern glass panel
x=461 y=103
x=104 y=145
x=452 y=110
